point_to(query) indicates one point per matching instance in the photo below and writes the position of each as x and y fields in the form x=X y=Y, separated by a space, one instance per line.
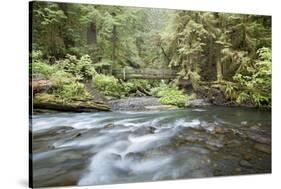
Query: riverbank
x=106 y=93
x=145 y=103
x=150 y=104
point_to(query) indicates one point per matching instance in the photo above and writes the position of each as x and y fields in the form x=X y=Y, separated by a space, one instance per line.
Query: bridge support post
x=124 y=74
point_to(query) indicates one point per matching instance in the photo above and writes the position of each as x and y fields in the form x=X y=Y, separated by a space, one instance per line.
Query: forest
x=76 y=50
x=127 y=94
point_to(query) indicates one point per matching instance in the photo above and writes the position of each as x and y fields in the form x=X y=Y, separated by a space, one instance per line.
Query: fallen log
x=41 y=85
x=71 y=107
x=144 y=91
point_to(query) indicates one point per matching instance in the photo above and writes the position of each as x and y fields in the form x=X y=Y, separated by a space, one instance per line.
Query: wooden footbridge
x=146 y=73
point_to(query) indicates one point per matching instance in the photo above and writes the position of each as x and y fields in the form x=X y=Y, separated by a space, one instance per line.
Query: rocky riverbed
x=120 y=147
x=150 y=104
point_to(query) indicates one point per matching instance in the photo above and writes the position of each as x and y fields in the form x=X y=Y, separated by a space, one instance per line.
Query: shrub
x=42 y=69
x=135 y=84
x=254 y=83
x=39 y=66
x=108 y=85
x=170 y=95
x=61 y=77
x=36 y=56
x=81 y=68
x=70 y=92
x=174 y=97
x=65 y=93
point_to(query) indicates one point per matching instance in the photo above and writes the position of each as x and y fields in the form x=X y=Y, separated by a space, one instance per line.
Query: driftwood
x=71 y=107
x=142 y=90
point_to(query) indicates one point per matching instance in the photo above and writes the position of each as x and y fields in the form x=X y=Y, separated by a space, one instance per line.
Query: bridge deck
x=146 y=73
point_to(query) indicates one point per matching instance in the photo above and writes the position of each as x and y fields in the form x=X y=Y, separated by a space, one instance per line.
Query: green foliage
x=50 y=14
x=108 y=85
x=134 y=84
x=67 y=86
x=61 y=77
x=71 y=92
x=81 y=68
x=174 y=97
x=170 y=95
x=70 y=40
x=68 y=92
x=45 y=98
x=162 y=90
x=42 y=68
x=254 y=83
x=36 y=56
x=48 y=19
x=39 y=66
x=231 y=91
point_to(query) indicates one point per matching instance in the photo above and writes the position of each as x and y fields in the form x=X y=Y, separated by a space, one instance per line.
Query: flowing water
x=121 y=147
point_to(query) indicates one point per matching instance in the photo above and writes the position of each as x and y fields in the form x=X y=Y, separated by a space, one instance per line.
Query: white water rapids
x=135 y=146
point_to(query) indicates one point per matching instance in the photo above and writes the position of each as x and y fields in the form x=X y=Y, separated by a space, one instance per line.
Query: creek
x=128 y=146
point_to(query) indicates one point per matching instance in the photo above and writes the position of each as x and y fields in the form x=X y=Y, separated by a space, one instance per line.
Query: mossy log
x=72 y=107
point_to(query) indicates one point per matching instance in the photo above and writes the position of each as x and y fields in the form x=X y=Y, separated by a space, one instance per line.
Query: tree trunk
x=114 y=37
x=219 y=70
x=166 y=56
x=92 y=34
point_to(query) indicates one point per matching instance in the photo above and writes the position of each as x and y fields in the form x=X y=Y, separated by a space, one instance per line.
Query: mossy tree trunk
x=219 y=70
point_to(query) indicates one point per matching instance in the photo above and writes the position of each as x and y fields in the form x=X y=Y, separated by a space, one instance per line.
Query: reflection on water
x=118 y=147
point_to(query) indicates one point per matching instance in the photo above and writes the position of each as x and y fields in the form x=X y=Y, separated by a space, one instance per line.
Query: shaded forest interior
x=222 y=57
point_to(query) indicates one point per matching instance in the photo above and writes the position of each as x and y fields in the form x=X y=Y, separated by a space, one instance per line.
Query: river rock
x=215 y=143
x=52 y=131
x=152 y=129
x=135 y=156
x=247 y=157
x=233 y=143
x=134 y=103
x=168 y=150
x=109 y=126
x=263 y=148
x=197 y=103
x=259 y=137
x=244 y=123
x=245 y=163
x=160 y=107
x=238 y=169
x=219 y=130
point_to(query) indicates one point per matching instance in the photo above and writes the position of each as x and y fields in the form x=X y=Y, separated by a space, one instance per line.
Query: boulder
x=197 y=103
x=244 y=163
x=263 y=148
